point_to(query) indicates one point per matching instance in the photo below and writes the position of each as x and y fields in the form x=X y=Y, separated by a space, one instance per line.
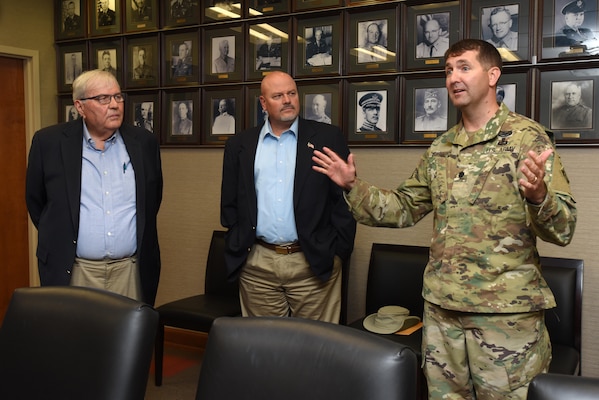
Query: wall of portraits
x=191 y=69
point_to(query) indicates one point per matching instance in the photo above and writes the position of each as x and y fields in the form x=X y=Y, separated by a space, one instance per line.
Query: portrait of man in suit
x=72 y=66
x=501 y=30
x=433 y=35
x=318 y=45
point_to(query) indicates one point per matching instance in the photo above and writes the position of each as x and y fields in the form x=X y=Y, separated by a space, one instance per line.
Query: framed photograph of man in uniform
x=431 y=29
x=180 y=64
x=141 y=15
x=222 y=115
x=268 y=50
x=321 y=102
x=372 y=41
x=506 y=26
x=567 y=104
x=372 y=116
x=73 y=61
x=301 y=5
x=181 y=125
x=223 y=54
x=319 y=45
x=71 y=19
x=104 y=17
x=268 y=7
x=428 y=111
x=143 y=110
x=142 y=62
x=570 y=29
x=221 y=10
x=107 y=55
x=180 y=13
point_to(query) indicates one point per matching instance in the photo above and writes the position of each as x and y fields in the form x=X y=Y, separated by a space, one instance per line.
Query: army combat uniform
x=483 y=279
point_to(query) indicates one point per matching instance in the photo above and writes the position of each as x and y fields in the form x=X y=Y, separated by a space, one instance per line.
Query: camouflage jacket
x=483 y=255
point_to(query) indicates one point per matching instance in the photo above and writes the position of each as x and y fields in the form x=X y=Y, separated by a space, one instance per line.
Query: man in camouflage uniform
x=495 y=184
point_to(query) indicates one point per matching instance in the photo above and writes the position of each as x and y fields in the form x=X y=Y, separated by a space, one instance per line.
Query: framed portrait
x=67 y=111
x=268 y=49
x=141 y=15
x=142 y=62
x=71 y=19
x=223 y=54
x=428 y=111
x=180 y=13
x=181 y=110
x=72 y=62
x=372 y=112
x=255 y=114
x=514 y=90
x=259 y=8
x=372 y=41
x=568 y=104
x=363 y=2
x=180 y=64
x=431 y=29
x=301 y=5
x=321 y=102
x=570 y=29
x=506 y=25
x=104 y=17
x=107 y=55
x=143 y=110
x=318 y=48
x=222 y=115
x=221 y=10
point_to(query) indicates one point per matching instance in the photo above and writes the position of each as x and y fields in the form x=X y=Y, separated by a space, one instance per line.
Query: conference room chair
x=297 y=359
x=563 y=387
x=75 y=343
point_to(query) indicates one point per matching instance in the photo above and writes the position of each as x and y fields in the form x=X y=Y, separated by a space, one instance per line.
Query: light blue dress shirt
x=274 y=174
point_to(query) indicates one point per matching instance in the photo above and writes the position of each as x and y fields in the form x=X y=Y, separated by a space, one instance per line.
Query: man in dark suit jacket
x=314 y=232
x=62 y=182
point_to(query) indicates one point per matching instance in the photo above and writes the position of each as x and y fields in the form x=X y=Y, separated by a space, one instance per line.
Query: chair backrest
x=563 y=387
x=298 y=359
x=395 y=276
x=75 y=343
x=216 y=273
x=565 y=278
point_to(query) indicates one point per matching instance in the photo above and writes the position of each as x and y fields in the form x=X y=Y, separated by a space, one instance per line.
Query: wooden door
x=14 y=264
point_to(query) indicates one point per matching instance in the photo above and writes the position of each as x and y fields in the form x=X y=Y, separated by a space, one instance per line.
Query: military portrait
x=572 y=104
x=576 y=26
x=371 y=111
x=372 y=41
x=71 y=12
x=431 y=109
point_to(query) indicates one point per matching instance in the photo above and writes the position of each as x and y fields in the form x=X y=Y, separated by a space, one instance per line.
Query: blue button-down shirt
x=107 y=220
x=274 y=174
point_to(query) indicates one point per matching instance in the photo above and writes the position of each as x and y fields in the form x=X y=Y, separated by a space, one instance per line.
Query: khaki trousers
x=118 y=276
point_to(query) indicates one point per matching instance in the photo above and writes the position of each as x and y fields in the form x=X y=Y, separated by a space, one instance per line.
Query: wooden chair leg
x=158 y=355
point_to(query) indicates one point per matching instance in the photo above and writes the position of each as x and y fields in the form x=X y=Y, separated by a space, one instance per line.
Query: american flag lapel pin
x=310 y=145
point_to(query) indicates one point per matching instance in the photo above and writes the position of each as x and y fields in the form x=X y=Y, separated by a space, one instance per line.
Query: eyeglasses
x=105 y=99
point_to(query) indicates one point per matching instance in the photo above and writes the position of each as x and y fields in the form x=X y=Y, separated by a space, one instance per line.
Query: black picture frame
x=303 y=5
x=417 y=55
x=428 y=110
x=180 y=13
x=66 y=110
x=255 y=115
x=268 y=49
x=576 y=123
x=322 y=97
x=215 y=69
x=221 y=10
x=146 y=75
x=318 y=60
x=259 y=8
x=218 y=128
x=180 y=64
x=555 y=43
x=387 y=132
x=72 y=60
x=512 y=20
x=142 y=109
x=141 y=17
x=188 y=133
x=71 y=19
x=373 y=41
x=104 y=17
x=107 y=55
x=514 y=88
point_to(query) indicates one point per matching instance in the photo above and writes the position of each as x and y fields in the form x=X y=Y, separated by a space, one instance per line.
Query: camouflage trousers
x=482 y=356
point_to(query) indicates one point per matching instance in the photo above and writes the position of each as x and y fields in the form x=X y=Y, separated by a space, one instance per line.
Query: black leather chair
x=197 y=313
x=298 y=359
x=75 y=343
x=563 y=387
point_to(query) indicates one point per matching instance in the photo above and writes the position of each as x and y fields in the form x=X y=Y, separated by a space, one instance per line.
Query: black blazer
x=53 y=193
x=325 y=226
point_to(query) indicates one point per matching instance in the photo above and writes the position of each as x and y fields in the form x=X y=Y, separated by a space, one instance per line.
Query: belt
x=281 y=248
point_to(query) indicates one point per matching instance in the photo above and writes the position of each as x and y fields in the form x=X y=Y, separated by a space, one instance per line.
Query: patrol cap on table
x=371 y=100
x=574 y=7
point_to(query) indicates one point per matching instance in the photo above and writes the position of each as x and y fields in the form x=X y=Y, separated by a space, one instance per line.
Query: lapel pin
x=310 y=145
